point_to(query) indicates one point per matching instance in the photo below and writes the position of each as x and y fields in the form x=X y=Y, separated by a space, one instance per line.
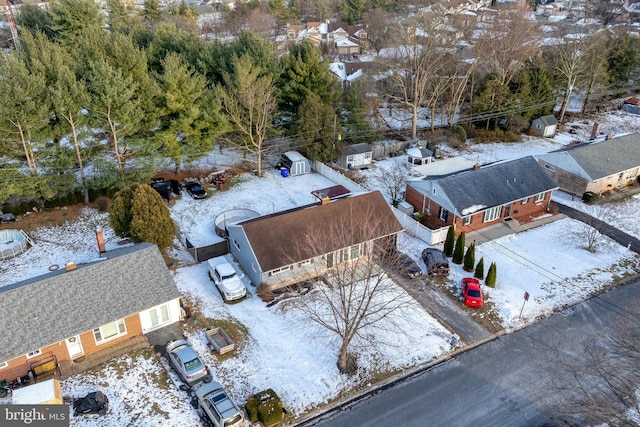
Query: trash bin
x=284 y=172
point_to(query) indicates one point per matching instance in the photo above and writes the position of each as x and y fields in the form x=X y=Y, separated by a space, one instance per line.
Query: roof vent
x=70 y=266
x=325 y=200
x=476 y=166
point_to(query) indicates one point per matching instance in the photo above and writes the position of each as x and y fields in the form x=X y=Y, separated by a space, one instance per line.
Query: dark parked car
x=408 y=267
x=436 y=261
x=175 y=186
x=162 y=187
x=195 y=190
x=93 y=403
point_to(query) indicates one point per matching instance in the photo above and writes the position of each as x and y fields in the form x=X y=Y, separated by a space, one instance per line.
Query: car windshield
x=196 y=188
x=474 y=293
x=193 y=364
x=232 y=421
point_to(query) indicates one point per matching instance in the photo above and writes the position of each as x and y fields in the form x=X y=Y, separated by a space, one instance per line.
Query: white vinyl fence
x=411 y=226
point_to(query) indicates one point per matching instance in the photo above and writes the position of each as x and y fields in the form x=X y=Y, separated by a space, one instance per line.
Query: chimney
x=70 y=266
x=100 y=238
x=476 y=166
x=595 y=131
x=325 y=200
x=609 y=136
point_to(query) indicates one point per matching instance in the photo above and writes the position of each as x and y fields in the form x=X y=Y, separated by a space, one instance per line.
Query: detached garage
x=296 y=163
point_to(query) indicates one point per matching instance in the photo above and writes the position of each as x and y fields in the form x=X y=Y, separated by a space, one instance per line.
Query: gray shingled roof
x=50 y=308
x=489 y=186
x=356 y=148
x=605 y=158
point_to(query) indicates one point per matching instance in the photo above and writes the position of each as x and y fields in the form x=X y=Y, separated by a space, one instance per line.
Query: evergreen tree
x=151 y=11
x=34 y=19
x=358 y=126
x=479 y=274
x=624 y=60
x=139 y=213
x=71 y=18
x=304 y=71
x=353 y=10
x=470 y=258
x=120 y=213
x=450 y=242
x=150 y=218
x=458 y=252
x=491 y=276
x=315 y=128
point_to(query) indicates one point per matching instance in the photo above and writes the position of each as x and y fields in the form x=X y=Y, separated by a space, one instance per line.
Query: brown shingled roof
x=275 y=239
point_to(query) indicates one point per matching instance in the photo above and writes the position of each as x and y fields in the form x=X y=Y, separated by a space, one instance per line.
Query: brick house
x=473 y=199
x=71 y=319
x=595 y=166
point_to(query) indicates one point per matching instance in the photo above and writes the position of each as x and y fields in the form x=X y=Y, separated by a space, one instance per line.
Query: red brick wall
x=20 y=366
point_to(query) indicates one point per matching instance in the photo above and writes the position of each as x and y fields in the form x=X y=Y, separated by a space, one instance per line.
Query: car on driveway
x=218 y=406
x=471 y=292
x=186 y=363
x=408 y=267
x=195 y=190
x=436 y=261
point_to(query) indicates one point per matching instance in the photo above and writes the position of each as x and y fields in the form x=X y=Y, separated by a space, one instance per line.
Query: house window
x=34 y=353
x=4 y=365
x=443 y=214
x=466 y=220
x=253 y=267
x=367 y=155
x=538 y=198
x=354 y=252
x=304 y=263
x=492 y=214
x=350 y=159
x=548 y=166
x=524 y=201
x=159 y=315
x=109 y=331
x=235 y=243
x=280 y=270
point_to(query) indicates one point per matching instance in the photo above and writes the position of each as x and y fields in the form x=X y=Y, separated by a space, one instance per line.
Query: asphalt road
x=501 y=383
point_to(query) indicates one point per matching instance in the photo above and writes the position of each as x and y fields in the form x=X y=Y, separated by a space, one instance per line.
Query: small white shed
x=545 y=126
x=296 y=163
x=43 y=393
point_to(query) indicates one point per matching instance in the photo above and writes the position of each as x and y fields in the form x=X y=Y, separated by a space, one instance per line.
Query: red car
x=471 y=292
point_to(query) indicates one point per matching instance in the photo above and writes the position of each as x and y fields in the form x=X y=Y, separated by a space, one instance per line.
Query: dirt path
x=46 y=218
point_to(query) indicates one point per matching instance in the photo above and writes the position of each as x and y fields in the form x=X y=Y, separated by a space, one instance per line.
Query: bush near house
x=265 y=407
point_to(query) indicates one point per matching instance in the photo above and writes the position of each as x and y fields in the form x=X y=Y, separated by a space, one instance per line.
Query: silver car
x=187 y=363
x=218 y=406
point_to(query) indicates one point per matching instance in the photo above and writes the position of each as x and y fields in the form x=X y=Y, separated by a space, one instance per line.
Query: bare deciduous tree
x=390 y=177
x=602 y=386
x=591 y=232
x=352 y=298
x=250 y=104
x=414 y=64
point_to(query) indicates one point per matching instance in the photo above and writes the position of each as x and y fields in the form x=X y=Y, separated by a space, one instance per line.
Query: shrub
x=589 y=197
x=22 y=208
x=469 y=258
x=458 y=252
x=265 y=407
x=450 y=242
x=491 y=276
x=479 y=274
x=460 y=131
x=8 y=209
x=103 y=203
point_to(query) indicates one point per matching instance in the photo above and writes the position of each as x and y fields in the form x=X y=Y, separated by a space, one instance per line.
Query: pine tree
x=150 y=218
x=458 y=252
x=479 y=274
x=470 y=258
x=120 y=212
x=450 y=242
x=139 y=213
x=491 y=276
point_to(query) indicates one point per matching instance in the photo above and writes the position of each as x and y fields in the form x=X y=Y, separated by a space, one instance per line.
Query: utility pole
x=12 y=23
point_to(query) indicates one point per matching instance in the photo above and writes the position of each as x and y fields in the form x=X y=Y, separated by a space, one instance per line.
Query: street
x=500 y=383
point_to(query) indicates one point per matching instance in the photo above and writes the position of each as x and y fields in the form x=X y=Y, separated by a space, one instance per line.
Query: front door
x=507 y=211
x=74 y=346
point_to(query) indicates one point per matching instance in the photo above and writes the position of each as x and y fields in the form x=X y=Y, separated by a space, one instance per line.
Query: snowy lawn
x=276 y=348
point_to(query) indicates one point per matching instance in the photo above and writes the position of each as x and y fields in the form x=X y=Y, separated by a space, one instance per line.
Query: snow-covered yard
x=282 y=351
